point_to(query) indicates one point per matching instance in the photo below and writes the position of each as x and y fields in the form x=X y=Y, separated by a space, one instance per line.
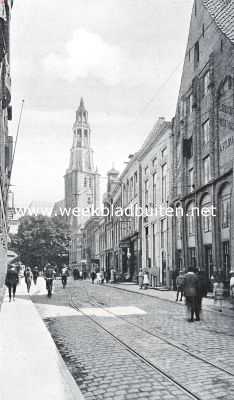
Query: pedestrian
x=93 y=276
x=232 y=283
x=140 y=278
x=219 y=294
x=49 y=278
x=146 y=280
x=180 y=286
x=202 y=287
x=35 y=275
x=101 y=277
x=64 y=275
x=12 y=280
x=191 y=294
x=112 y=275
x=28 y=278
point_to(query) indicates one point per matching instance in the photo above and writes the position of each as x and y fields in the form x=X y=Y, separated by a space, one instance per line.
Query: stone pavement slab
x=30 y=365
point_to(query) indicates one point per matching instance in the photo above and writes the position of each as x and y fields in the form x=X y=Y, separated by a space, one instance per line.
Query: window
x=190 y=220
x=154 y=163
x=90 y=181
x=85 y=181
x=190 y=104
x=163 y=233
x=164 y=182
x=196 y=54
x=127 y=192
x=179 y=228
x=182 y=108
x=146 y=192
x=135 y=184
x=124 y=195
x=206 y=219
x=206 y=83
x=163 y=152
x=206 y=170
x=146 y=170
x=206 y=132
x=154 y=189
x=147 y=244
x=191 y=180
x=203 y=30
x=154 y=246
x=221 y=45
x=192 y=257
x=131 y=188
x=226 y=206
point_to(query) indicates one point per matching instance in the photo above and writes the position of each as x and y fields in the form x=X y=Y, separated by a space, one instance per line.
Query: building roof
x=222 y=11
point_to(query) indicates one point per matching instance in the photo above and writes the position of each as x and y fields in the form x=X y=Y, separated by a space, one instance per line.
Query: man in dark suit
x=12 y=280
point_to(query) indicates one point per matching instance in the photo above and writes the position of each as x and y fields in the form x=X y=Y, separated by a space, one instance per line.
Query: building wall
x=6 y=142
x=203 y=144
x=156 y=228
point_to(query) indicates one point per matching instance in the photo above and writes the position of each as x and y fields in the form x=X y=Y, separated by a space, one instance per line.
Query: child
x=145 y=280
x=219 y=294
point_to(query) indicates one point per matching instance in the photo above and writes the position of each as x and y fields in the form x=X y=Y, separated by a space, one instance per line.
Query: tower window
x=196 y=54
x=221 y=45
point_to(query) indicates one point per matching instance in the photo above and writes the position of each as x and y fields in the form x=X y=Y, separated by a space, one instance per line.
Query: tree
x=42 y=239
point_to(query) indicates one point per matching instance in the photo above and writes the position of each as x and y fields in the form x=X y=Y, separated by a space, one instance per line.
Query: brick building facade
x=203 y=143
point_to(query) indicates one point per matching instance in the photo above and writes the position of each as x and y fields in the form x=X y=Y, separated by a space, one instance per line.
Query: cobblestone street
x=121 y=345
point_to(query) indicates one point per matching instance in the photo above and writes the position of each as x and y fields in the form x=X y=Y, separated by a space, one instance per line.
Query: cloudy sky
x=123 y=56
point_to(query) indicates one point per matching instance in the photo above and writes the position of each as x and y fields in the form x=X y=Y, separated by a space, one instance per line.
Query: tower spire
x=82 y=113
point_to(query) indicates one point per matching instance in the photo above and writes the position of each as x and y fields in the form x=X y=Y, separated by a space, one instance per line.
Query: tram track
x=171 y=343
x=92 y=301
x=136 y=354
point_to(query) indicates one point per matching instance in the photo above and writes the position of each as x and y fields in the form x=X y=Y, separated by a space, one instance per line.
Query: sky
x=124 y=57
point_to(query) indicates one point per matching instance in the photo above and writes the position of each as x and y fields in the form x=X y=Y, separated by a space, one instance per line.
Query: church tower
x=81 y=178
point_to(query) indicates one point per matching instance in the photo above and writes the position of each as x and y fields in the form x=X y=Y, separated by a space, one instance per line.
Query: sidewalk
x=170 y=295
x=30 y=365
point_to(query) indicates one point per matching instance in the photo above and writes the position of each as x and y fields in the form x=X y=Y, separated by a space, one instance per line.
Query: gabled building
x=203 y=143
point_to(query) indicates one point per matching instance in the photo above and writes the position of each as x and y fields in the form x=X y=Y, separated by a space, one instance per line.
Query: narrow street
x=121 y=345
